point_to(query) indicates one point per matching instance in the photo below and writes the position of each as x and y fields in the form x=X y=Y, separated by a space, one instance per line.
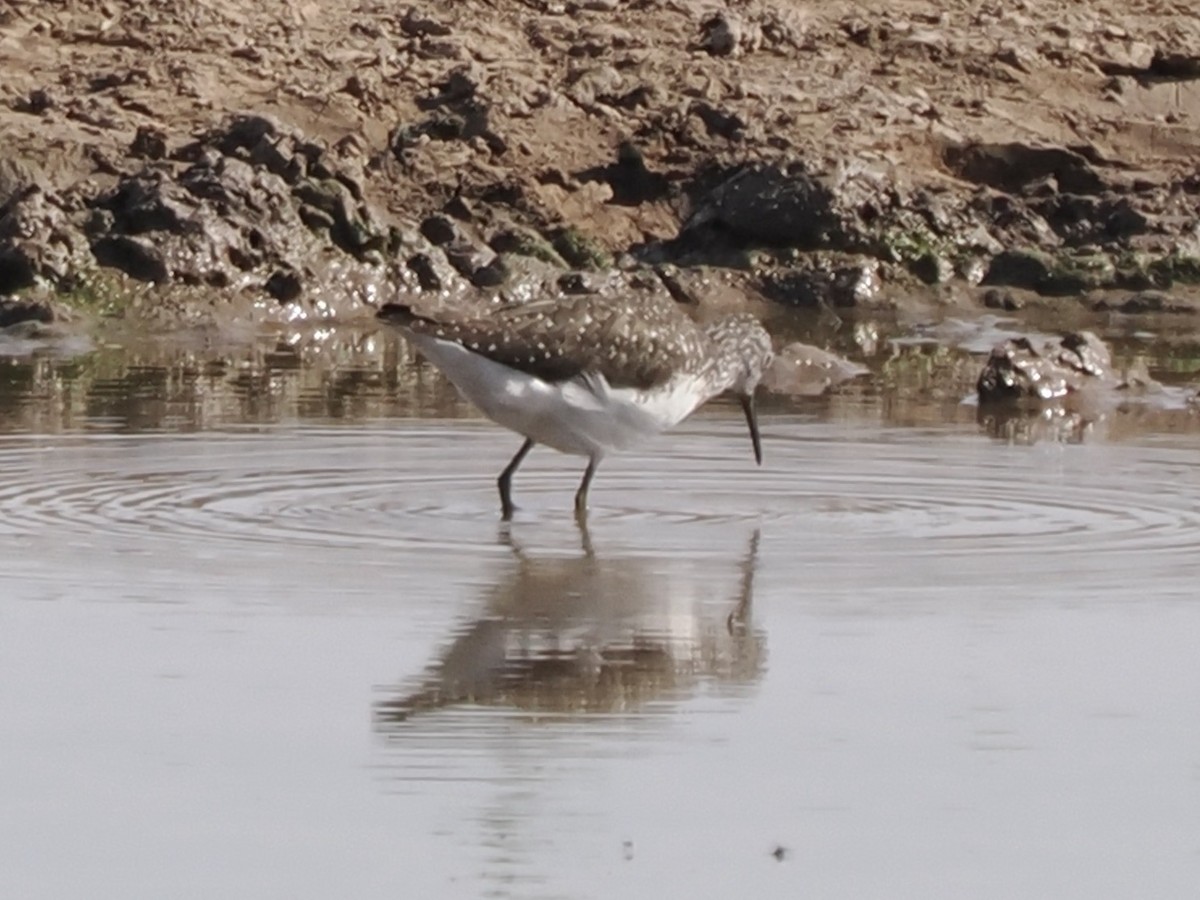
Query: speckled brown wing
x=633 y=342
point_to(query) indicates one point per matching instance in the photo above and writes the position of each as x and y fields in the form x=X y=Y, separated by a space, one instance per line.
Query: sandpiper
x=588 y=375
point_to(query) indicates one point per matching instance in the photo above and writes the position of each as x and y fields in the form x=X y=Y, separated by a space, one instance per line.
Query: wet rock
x=576 y=283
x=1081 y=219
x=828 y=285
x=216 y=221
x=1046 y=274
x=1019 y=369
x=1004 y=300
x=439 y=230
x=140 y=258
x=467 y=257
x=526 y=242
x=580 y=250
x=786 y=205
x=493 y=273
x=460 y=208
x=39 y=241
x=932 y=268
x=256 y=206
x=18 y=310
x=1147 y=302
x=435 y=273
x=350 y=223
x=285 y=285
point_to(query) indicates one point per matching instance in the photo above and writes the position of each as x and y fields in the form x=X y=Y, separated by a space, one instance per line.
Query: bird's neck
x=723 y=366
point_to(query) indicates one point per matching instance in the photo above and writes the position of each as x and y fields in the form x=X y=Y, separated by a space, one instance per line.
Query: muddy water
x=261 y=635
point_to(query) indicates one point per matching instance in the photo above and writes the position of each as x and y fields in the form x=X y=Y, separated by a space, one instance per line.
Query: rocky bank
x=288 y=160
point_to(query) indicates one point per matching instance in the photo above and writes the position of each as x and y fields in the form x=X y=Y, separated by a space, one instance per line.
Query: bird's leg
x=505 y=480
x=585 y=537
x=581 y=495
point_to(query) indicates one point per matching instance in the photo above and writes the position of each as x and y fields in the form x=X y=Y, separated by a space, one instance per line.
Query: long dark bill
x=752 y=422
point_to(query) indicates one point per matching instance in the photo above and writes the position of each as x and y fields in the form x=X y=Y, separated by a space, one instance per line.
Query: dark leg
x=505 y=481
x=582 y=494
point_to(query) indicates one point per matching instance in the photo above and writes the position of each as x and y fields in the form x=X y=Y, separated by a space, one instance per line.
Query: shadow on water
x=589 y=634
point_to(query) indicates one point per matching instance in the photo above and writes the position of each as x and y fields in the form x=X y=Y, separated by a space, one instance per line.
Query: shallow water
x=262 y=635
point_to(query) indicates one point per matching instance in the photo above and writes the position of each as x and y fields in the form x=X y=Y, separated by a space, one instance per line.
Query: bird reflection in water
x=593 y=634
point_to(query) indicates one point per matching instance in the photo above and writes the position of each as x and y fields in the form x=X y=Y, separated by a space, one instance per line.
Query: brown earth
x=492 y=145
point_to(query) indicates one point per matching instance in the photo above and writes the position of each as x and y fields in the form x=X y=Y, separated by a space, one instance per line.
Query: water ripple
x=418 y=484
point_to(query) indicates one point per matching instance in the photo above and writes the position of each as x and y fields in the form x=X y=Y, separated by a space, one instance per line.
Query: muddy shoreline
x=287 y=162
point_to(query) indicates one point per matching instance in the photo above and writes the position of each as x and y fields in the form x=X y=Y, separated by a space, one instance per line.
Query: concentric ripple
x=891 y=493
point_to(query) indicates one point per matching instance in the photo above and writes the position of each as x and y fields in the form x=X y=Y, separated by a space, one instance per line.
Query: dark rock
x=932 y=268
x=718 y=122
x=434 y=272
x=244 y=133
x=416 y=25
x=1039 y=271
x=1175 y=65
x=354 y=230
x=38 y=101
x=459 y=85
x=526 y=242
x=244 y=207
x=574 y=283
x=316 y=219
x=1009 y=222
x=38 y=239
x=492 y=274
x=149 y=143
x=1081 y=219
x=459 y=208
x=324 y=195
x=776 y=205
x=720 y=33
x=439 y=230
x=1004 y=300
x=468 y=120
x=137 y=257
x=151 y=201
x=579 y=250
x=18 y=310
x=835 y=286
x=285 y=285
x=1019 y=268
x=1014 y=166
